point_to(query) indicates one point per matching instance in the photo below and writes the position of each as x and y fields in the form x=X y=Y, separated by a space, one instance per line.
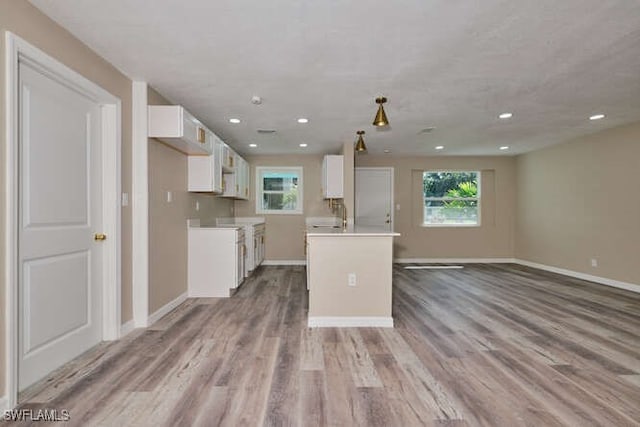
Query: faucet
x=344 y=216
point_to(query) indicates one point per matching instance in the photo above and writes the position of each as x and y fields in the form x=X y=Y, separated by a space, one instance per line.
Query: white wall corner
x=140 y=205
x=165 y=309
x=583 y=276
x=127 y=328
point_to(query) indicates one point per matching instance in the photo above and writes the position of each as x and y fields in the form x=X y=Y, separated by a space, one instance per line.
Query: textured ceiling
x=452 y=65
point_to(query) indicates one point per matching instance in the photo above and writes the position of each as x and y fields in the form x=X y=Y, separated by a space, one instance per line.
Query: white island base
x=349 y=276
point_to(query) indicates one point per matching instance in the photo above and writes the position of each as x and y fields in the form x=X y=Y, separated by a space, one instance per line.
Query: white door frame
x=393 y=191
x=140 y=205
x=17 y=48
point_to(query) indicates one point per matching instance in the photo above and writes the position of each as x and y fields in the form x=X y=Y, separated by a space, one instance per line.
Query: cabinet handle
x=237 y=189
x=201 y=135
x=246 y=192
x=262 y=239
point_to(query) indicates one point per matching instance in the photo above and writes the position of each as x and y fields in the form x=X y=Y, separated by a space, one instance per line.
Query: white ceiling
x=451 y=64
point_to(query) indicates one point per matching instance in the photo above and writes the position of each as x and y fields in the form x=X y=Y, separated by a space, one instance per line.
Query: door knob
x=99 y=236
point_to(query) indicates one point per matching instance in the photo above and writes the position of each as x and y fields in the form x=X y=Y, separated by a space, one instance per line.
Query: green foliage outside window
x=451 y=198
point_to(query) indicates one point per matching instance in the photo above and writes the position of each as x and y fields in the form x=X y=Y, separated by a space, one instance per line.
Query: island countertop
x=352 y=230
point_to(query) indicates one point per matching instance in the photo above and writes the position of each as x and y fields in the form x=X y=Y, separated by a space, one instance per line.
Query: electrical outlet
x=594 y=262
x=352 y=279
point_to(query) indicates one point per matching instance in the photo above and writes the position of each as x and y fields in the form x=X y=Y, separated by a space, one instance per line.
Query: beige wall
x=24 y=20
x=578 y=201
x=333 y=259
x=168 y=221
x=285 y=233
x=493 y=239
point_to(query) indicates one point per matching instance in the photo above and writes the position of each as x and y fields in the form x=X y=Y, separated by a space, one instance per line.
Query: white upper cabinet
x=173 y=125
x=228 y=158
x=236 y=177
x=243 y=178
x=205 y=172
x=333 y=177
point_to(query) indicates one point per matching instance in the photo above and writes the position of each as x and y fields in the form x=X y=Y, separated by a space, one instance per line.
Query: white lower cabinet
x=258 y=247
x=215 y=261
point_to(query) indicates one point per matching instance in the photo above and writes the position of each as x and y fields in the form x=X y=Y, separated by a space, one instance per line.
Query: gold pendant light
x=360 y=147
x=381 y=117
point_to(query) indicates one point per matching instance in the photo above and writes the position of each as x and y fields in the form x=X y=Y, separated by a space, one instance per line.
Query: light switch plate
x=125 y=199
x=169 y=197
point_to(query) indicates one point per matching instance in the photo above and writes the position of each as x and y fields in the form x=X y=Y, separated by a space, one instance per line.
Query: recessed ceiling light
x=303 y=145
x=504 y=147
x=387 y=151
x=597 y=117
x=505 y=116
x=303 y=120
x=253 y=145
x=234 y=120
x=439 y=147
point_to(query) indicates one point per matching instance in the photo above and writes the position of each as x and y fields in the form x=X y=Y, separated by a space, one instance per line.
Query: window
x=451 y=198
x=278 y=190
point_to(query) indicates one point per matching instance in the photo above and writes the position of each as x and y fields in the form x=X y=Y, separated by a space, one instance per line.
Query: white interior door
x=60 y=209
x=374 y=197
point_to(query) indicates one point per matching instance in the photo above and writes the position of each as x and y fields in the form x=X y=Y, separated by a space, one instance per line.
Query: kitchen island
x=349 y=276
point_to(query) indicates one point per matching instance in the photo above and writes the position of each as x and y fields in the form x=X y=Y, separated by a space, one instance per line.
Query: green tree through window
x=451 y=198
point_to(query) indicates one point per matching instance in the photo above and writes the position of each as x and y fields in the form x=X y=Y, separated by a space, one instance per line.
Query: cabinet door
x=229 y=184
x=256 y=251
x=174 y=126
x=333 y=177
x=240 y=177
x=307 y=253
x=216 y=166
x=245 y=180
x=240 y=264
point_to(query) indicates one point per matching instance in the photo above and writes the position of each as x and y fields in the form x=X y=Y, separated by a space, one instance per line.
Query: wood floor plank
x=355 y=352
x=486 y=345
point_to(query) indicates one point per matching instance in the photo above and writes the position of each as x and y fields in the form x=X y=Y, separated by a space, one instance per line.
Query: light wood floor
x=495 y=345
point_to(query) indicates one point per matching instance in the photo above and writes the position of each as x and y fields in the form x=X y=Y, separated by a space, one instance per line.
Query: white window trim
x=478 y=198
x=259 y=189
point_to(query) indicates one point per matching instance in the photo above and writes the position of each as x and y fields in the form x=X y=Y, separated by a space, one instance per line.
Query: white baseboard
x=453 y=260
x=284 y=262
x=127 y=328
x=349 y=322
x=597 y=279
x=4 y=404
x=583 y=276
x=166 y=308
